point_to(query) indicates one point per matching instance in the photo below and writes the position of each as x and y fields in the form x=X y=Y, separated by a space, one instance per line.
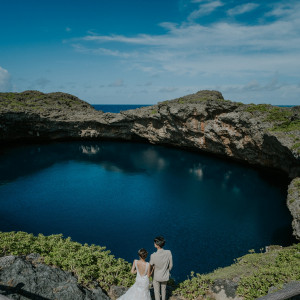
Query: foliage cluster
x=200 y=96
x=281 y=117
x=285 y=268
x=296 y=147
x=183 y=100
x=294 y=190
x=89 y=263
x=37 y=101
x=196 y=286
x=258 y=272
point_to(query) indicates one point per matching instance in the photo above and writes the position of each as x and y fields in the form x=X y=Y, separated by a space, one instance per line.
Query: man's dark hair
x=160 y=241
x=143 y=253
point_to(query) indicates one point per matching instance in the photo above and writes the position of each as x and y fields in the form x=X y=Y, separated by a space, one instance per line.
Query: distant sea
x=116 y=108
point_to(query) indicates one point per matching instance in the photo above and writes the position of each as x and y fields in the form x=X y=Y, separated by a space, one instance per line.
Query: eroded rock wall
x=28 y=278
x=293 y=203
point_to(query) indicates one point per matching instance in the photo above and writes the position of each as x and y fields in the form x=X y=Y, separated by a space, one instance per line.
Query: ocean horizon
x=116 y=108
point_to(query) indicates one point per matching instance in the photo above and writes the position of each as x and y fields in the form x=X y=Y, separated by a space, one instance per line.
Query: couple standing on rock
x=161 y=263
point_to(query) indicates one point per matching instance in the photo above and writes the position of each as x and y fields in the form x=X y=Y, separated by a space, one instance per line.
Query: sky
x=142 y=51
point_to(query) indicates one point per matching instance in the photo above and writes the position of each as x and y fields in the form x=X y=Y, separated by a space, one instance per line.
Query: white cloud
x=218 y=53
x=241 y=9
x=255 y=92
x=254 y=86
x=5 y=81
x=168 y=89
x=281 y=10
x=204 y=9
x=117 y=83
x=198 y=1
x=102 y=51
x=185 y=39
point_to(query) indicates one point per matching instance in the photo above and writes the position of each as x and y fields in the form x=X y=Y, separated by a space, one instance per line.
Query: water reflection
x=129 y=158
x=90 y=149
x=197 y=171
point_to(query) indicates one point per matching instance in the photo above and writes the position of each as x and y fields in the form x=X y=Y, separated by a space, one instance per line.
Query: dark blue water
x=122 y=195
x=116 y=108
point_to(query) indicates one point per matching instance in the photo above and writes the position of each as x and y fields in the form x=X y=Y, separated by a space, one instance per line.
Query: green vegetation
x=200 y=96
x=258 y=107
x=193 y=288
x=285 y=268
x=279 y=116
x=258 y=273
x=287 y=126
x=297 y=183
x=37 y=101
x=296 y=147
x=183 y=100
x=88 y=263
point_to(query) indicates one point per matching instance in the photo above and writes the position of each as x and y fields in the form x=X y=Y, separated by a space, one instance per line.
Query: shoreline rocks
x=28 y=278
x=293 y=203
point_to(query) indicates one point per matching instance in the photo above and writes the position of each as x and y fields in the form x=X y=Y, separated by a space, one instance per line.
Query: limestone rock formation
x=28 y=278
x=293 y=203
x=201 y=122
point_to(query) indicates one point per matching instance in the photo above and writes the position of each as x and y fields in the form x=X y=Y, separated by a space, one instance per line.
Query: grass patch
x=258 y=107
x=184 y=100
x=287 y=126
x=282 y=118
x=296 y=147
x=258 y=272
x=87 y=262
x=196 y=286
x=37 y=101
x=297 y=183
x=285 y=268
x=278 y=114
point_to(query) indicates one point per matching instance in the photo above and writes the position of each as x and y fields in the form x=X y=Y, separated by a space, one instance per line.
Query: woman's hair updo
x=143 y=253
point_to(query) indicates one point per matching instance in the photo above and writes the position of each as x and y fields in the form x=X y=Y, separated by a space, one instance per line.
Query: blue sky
x=142 y=52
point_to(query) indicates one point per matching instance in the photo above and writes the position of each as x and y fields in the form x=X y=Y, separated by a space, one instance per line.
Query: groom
x=162 y=263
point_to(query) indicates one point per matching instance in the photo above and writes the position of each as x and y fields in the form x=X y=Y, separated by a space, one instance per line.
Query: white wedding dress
x=140 y=289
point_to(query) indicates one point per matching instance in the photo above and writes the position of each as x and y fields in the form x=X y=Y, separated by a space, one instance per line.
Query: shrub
x=193 y=288
x=89 y=263
x=258 y=272
x=285 y=268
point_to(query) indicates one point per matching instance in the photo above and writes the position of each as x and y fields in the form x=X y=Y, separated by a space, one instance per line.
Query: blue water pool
x=122 y=195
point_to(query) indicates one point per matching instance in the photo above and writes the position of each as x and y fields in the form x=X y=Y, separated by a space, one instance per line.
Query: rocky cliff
x=257 y=134
x=293 y=203
x=262 y=135
x=28 y=278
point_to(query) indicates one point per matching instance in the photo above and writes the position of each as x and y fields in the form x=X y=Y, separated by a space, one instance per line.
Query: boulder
x=28 y=278
x=293 y=203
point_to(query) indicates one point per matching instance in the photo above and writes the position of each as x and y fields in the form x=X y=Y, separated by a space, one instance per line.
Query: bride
x=140 y=289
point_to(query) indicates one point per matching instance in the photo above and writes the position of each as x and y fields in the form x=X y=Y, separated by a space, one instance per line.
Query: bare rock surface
x=28 y=278
x=293 y=203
